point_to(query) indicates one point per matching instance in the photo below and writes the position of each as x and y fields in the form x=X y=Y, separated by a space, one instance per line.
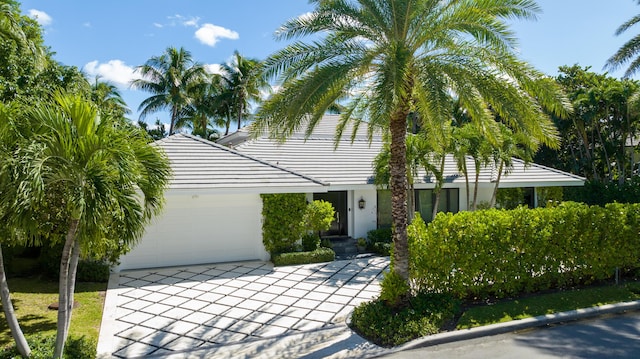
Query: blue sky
x=111 y=38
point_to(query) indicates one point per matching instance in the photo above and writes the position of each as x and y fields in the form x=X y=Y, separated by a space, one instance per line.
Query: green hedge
x=501 y=253
x=292 y=258
x=282 y=215
x=380 y=241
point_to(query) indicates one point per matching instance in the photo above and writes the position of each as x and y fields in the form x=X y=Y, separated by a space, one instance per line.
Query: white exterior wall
x=365 y=219
x=197 y=229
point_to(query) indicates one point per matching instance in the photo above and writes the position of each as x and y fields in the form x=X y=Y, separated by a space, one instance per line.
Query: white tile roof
x=350 y=163
x=200 y=164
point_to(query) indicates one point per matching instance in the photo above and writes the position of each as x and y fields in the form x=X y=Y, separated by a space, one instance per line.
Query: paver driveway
x=163 y=311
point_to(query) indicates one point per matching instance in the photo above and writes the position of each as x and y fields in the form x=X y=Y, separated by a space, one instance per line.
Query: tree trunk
x=228 y=124
x=71 y=281
x=240 y=111
x=10 y=314
x=174 y=119
x=63 y=288
x=475 y=186
x=495 y=189
x=438 y=189
x=398 y=172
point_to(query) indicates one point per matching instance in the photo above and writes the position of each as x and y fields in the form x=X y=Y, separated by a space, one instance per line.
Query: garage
x=213 y=209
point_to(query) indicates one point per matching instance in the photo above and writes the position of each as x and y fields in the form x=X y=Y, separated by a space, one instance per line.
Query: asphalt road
x=615 y=336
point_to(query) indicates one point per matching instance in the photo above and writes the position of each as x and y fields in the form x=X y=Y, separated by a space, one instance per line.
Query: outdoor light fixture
x=361 y=203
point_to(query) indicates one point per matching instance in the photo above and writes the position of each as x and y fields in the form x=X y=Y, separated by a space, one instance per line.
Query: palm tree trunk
x=71 y=281
x=63 y=295
x=438 y=189
x=10 y=314
x=495 y=189
x=227 y=124
x=398 y=185
x=240 y=110
x=174 y=119
x=475 y=186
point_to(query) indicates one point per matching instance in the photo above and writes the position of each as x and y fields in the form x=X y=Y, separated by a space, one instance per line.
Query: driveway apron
x=170 y=310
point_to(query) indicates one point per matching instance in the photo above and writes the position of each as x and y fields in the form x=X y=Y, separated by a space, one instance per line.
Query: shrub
x=292 y=258
x=501 y=253
x=394 y=289
x=310 y=242
x=282 y=215
x=42 y=348
x=318 y=216
x=89 y=270
x=386 y=326
x=380 y=241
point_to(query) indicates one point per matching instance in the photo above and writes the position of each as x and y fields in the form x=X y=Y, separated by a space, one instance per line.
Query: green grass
x=32 y=296
x=547 y=303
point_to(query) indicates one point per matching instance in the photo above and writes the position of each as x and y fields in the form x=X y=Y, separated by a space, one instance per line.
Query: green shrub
x=42 y=348
x=509 y=198
x=89 y=270
x=501 y=253
x=282 y=215
x=394 y=289
x=379 y=241
x=326 y=243
x=310 y=242
x=292 y=258
x=318 y=216
x=386 y=326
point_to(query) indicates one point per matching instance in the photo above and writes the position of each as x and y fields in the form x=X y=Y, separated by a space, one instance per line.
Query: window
x=425 y=199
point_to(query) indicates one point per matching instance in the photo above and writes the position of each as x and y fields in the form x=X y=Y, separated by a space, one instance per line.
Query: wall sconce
x=361 y=203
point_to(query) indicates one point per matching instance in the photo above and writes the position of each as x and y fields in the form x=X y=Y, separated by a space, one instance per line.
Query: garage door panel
x=201 y=229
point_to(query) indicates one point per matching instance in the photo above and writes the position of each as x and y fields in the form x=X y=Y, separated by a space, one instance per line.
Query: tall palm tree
x=629 y=52
x=245 y=82
x=108 y=98
x=108 y=178
x=394 y=57
x=168 y=77
x=8 y=143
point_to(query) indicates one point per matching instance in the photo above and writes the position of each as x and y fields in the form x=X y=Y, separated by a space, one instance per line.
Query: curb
x=502 y=328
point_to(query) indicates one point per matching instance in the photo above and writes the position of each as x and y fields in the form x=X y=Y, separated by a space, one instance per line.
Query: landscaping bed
x=427 y=314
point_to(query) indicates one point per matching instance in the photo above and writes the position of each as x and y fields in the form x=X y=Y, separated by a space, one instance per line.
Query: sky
x=110 y=38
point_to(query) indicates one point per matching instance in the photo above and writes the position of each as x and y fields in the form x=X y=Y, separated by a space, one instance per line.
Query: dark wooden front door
x=339 y=226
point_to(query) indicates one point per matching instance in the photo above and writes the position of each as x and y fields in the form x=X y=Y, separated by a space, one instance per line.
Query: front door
x=338 y=199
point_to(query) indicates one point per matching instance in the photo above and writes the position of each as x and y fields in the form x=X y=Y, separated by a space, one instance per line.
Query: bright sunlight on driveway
x=168 y=310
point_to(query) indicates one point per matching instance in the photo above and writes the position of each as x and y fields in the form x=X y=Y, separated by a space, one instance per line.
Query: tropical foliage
x=599 y=141
x=70 y=176
x=395 y=58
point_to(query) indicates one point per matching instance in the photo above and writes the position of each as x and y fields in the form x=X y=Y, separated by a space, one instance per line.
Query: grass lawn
x=32 y=296
x=542 y=304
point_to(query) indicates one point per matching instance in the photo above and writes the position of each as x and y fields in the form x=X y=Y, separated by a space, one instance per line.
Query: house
x=213 y=205
x=213 y=209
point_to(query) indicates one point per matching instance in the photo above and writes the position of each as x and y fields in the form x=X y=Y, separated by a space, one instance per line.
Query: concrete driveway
x=167 y=311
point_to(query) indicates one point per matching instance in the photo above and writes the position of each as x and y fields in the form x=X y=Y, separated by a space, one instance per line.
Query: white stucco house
x=213 y=205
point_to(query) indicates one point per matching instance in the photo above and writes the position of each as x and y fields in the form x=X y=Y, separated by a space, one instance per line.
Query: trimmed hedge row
x=292 y=258
x=501 y=253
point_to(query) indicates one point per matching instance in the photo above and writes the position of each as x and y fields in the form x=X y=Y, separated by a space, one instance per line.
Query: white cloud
x=87 y=24
x=210 y=34
x=40 y=16
x=158 y=25
x=114 y=71
x=183 y=20
x=213 y=68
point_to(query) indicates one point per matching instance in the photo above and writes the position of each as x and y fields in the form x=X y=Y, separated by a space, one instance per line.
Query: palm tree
x=395 y=57
x=629 y=51
x=243 y=77
x=8 y=143
x=207 y=109
x=168 y=78
x=510 y=145
x=102 y=170
x=108 y=99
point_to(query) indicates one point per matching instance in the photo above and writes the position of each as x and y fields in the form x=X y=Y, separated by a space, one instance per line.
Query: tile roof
x=350 y=163
x=200 y=164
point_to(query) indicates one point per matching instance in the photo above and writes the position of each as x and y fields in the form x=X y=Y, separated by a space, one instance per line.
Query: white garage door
x=201 y=229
